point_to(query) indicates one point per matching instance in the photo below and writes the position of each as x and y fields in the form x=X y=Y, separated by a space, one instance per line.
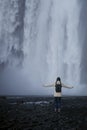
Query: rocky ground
x=37 y=113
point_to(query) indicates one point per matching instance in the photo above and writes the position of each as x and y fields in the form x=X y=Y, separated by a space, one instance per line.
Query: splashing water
x=40 y=40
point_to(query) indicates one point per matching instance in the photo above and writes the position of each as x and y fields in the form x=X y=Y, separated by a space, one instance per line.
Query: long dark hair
x=58 y=79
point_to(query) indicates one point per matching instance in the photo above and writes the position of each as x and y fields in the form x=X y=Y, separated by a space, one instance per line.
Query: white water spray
x=43 y=36
x=51 y=41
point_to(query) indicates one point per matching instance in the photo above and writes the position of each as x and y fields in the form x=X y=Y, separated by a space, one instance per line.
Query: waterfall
x=52 y=41
x=40 y=39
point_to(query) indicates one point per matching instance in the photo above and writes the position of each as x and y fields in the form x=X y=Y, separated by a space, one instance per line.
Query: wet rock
x=41 y=115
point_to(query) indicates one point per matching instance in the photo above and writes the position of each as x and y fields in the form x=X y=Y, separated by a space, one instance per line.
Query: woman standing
x=57 y=93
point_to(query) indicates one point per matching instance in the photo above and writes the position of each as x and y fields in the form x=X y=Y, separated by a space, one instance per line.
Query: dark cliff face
x=83 y=40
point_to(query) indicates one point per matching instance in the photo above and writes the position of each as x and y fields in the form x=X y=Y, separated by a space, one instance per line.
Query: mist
x=39 y=41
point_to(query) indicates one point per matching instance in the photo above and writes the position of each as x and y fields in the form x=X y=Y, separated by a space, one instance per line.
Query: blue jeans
x=57 y=102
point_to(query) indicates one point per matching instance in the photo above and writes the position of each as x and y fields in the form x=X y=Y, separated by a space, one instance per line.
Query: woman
x=57 y=93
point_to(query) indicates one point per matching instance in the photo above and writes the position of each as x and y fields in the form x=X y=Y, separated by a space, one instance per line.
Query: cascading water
x=51 y=38
x=39 y=39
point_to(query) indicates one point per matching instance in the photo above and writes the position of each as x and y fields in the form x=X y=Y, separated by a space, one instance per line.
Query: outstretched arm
x=49 y=85
x=65 y=86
